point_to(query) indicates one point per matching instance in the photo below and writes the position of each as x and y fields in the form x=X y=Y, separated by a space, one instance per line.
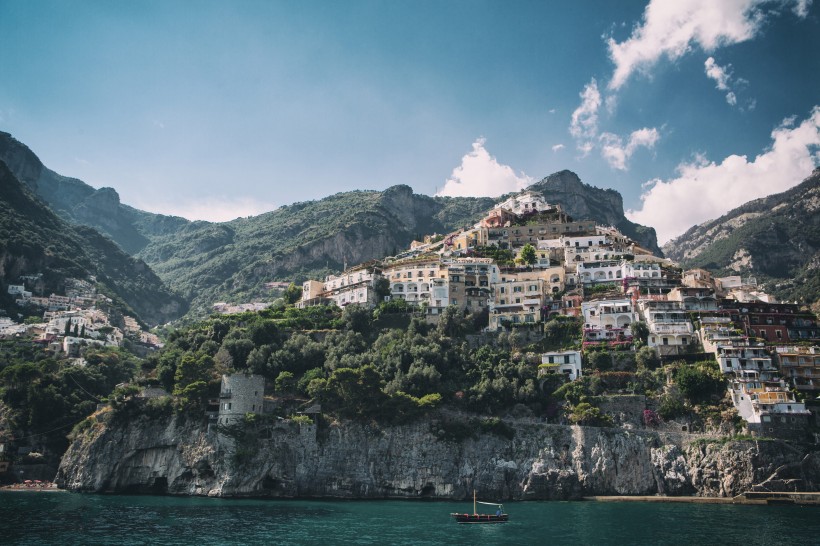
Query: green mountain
x=79 y=203
x=35 y=240
x=776 y=239
x=208 y=262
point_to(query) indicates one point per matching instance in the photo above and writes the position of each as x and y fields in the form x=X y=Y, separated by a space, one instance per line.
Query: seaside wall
x=350 y=460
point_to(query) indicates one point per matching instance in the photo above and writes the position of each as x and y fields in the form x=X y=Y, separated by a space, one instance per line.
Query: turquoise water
x=65 y=518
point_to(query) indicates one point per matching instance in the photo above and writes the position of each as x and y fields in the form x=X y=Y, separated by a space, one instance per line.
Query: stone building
x=240 y=394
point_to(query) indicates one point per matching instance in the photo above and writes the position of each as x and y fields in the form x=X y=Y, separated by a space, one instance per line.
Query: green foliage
x=670 y=407
x=302 y=419
x=562 y=333
x=293 y=293
x=285 y=383
x=494 y=425
x=640 y=331
x=699 y=382
x=647 y=358
x=586 y=414
x=528 y=254
x=598 y=360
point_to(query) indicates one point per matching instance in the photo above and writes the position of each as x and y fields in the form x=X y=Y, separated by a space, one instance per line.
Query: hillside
x=775 y=239
x=207 y=262
x=34 y=240
x=79 y=203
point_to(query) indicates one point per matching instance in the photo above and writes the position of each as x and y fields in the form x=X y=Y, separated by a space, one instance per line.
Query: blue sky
x=214 y=109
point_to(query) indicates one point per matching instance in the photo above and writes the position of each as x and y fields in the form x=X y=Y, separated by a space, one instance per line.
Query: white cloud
x=718 y=73
x=671 y=29
x=557 y=147
x=617 y=154
x=481 y=175
x=706 y=190
x=723 y=77
x=584 y=124
x=213 y=209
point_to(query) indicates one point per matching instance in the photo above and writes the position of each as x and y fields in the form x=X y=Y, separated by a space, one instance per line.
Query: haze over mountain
x=208 y=262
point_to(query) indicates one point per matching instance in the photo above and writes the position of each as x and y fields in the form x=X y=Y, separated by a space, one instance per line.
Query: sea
x=73 y=518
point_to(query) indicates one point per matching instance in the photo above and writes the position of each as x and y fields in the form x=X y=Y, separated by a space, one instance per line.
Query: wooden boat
x=475 y=517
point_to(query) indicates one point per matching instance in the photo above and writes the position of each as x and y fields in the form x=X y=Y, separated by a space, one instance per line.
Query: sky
x=215 y=110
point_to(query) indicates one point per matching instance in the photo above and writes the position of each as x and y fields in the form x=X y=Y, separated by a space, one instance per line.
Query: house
x=608 y=322
x=670 y=330
x=518 y=299
x=565 y=362
x=356 y=285
x=768 y=407
x=800 y=366
x=694 y=299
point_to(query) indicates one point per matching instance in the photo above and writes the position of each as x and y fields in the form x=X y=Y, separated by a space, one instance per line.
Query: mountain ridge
x=33 y=239
x=776 y=238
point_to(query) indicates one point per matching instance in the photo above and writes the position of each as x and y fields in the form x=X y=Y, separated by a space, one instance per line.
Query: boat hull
x=480 y=518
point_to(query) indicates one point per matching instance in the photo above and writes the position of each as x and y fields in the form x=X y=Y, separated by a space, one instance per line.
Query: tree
x=293 y=293
x=588 y=415
x=640 y=330
x=528 y=254
x=285 y=382
x=698 y=382
x=647 y=358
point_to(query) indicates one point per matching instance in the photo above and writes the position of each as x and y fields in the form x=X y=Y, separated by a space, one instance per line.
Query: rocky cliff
x=582 y=201
x=285 y=459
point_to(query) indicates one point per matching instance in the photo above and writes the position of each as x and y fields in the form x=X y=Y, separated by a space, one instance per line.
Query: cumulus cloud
x=617 y=154
x=481 y=175
x=557 y=147
x=213 y=209
x=671 y=29
x=584 y=124
x=705 y=190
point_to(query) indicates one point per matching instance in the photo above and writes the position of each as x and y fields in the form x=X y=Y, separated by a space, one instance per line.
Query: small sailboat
x=498 y=517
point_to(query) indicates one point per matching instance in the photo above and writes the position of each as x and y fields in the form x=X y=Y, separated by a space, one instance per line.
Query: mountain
x=776 y=239
x=582 y=201
x=207 y=262
x=79 y=203
x=35 y=240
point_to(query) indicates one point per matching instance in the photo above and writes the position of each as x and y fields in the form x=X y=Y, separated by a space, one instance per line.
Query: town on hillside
x=66 y=323
x=527 y=262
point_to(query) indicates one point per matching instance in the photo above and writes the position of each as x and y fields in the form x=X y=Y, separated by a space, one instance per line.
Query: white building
x=565 y=362
x=766 y=406
x=525 y=202
x=355 y=286
x=605 y=271
x=670 y=330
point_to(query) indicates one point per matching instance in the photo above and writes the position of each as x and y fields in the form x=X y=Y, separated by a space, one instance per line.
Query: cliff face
x=547 y=462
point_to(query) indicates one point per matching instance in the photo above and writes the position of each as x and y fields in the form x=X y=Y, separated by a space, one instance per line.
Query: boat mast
x=475 y=512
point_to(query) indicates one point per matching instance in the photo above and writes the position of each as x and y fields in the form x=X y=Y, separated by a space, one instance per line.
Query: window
x=779 y=334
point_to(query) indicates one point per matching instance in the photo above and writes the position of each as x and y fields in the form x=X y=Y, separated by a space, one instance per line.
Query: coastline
x=750 y=497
